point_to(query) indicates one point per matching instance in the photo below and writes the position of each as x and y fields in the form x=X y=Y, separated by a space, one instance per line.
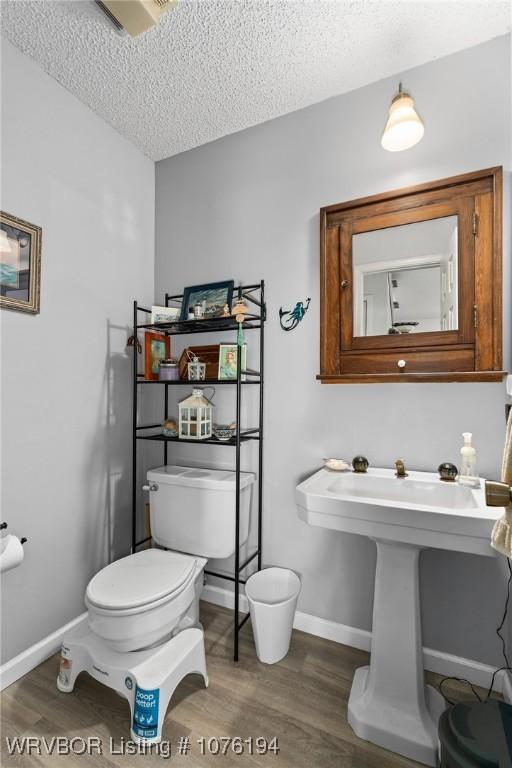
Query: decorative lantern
x=196 y=370
x=195 y=417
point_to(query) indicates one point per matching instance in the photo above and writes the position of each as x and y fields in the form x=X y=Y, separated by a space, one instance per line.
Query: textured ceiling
x=216 y=66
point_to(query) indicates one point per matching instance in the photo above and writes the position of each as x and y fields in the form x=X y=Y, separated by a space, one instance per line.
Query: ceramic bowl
x=336 y=465
x=224 y=432
x=170 y=428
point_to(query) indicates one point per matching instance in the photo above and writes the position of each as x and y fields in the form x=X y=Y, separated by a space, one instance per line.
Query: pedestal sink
x=389 y=703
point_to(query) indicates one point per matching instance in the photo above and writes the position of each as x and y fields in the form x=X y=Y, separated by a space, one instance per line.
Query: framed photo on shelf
x=228 y=354
x=157 y=347
x=164 y=314
x=20 y=264
x=213 y=297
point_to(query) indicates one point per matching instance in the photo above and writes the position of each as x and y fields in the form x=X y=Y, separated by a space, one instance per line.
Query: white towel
x=501 y=537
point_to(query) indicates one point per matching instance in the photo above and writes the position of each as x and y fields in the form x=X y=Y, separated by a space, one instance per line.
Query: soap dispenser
x=468 y=474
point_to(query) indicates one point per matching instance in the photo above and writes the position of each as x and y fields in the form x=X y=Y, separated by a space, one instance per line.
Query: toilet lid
x=140 y=579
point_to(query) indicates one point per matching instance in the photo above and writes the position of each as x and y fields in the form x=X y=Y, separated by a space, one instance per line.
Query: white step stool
x=147 y=678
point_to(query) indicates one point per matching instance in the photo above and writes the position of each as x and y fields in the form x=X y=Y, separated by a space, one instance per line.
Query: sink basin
x=389 y=703
x=418 y=509
x=378 y=485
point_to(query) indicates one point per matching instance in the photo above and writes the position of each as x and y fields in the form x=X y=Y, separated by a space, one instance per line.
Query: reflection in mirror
x=405 y=278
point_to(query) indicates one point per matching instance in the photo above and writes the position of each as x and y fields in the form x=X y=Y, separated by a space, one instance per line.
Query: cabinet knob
x=151 y=487
x=344 y=283
x=401 y=363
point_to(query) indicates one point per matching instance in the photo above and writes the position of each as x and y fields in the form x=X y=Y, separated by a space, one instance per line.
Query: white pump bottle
x=468 y=474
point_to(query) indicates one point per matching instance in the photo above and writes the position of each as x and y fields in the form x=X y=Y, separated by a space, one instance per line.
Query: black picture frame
x=219 y=294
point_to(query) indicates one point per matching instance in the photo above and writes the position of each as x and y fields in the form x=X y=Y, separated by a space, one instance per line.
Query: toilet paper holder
x=3 y=526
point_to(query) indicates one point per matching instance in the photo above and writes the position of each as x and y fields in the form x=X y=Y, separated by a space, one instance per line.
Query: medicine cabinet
x=411 y=286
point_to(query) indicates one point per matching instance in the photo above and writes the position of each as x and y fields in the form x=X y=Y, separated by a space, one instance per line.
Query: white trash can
x=272 y=594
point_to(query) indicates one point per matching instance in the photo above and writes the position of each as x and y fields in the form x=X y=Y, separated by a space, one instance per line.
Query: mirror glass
x=405 y=278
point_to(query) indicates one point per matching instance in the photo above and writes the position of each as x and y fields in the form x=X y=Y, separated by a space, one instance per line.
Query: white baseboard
x=27 y=660
x=305 y=622
x=434 y=661
x=457 y=666
x=222 y=597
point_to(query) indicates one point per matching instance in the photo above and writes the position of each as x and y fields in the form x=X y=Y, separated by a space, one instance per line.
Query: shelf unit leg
x=134 y=430
x=166 y=411
x=237 y=497
x=260 y=445
x=166 y=397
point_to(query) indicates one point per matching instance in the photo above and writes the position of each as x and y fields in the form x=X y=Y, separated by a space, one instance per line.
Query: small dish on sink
x=336 y=465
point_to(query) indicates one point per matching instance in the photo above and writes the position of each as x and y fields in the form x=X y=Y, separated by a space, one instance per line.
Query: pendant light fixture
x=404 y=127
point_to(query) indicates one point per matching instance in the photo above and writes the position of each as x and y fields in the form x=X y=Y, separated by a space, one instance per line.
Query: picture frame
x=228 y=354
x=213 y=297
x=157 y=346
x=20 y=264
x=164 y=314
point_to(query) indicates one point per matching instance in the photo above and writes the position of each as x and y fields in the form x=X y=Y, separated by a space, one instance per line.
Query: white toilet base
x=147 y=679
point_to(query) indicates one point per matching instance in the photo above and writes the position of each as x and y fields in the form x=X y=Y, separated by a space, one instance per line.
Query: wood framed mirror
x=411 y=285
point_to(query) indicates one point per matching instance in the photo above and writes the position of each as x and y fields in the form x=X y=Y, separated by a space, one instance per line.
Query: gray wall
x=65 y=375
x=246 y=207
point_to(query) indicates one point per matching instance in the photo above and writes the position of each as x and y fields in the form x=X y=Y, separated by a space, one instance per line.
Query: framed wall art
x=157 y=347
x=20 y=264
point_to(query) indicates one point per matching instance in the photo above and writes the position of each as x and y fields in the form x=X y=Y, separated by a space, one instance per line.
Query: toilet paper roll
x=11 y=552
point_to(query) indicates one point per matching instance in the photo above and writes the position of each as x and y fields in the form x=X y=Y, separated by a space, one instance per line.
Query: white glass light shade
x=404 y=127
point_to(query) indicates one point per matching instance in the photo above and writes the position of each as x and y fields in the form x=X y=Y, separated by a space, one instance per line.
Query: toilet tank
x=193 y=510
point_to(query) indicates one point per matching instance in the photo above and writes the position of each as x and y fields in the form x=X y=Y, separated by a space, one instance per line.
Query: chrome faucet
x=400 y=468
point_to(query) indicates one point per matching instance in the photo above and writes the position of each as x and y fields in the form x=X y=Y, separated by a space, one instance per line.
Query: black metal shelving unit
x=254 y=295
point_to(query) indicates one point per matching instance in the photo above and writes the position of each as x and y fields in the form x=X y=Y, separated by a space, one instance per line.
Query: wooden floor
x=302 y=701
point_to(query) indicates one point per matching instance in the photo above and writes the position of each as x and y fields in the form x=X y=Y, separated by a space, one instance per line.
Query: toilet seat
x=139 y=581
x=144 y=598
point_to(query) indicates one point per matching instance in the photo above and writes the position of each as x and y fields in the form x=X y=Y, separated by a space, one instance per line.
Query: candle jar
x=168 y=370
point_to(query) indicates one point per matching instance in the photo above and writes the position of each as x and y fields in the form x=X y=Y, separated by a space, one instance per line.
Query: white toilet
x=144 y=634
x=144 y=599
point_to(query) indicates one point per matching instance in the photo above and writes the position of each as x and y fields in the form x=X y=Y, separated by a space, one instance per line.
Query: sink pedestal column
x=389 y=703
